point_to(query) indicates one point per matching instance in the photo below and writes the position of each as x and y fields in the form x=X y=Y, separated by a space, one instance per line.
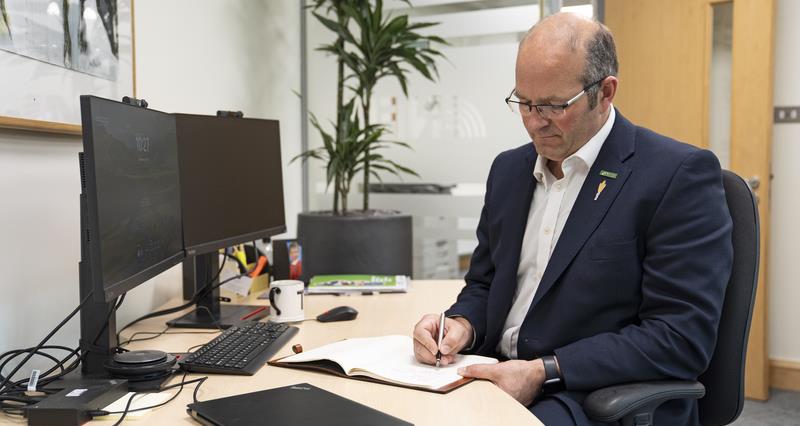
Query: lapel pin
x=600 y=189
x=606 y=173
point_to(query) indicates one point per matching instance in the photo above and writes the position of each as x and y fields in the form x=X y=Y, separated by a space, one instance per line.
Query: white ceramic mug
x=286 y=301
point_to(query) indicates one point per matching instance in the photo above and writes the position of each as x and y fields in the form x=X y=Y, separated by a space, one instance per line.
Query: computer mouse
x=339 y=313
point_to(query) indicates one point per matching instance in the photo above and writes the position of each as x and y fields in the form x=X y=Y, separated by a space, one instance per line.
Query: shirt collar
x=586 y=154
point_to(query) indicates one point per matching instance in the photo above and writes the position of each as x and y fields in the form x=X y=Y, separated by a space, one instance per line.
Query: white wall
x=190 y=57
x=782 y=272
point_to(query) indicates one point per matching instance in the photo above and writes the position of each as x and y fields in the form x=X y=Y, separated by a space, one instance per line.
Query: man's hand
x=520 y=379
x=457 y=335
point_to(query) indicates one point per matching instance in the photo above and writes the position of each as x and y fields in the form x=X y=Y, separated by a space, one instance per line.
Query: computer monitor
x=133 y=194
x=231 y=193
x=131 y=224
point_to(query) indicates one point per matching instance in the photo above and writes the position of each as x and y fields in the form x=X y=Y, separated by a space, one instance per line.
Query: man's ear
x=608 y=89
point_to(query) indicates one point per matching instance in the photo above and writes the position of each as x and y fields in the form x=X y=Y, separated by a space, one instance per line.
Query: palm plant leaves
x=4 y=17
x=384 y=44
x=345 y=159
x=372 y=47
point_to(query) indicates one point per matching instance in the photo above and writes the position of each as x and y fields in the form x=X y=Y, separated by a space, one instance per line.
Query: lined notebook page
x=390 y=358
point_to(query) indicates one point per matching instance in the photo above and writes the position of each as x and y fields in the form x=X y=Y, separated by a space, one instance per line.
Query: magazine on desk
x=385 y=359
x=322 y=284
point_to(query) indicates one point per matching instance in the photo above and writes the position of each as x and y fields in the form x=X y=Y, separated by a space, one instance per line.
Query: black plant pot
x=372 y=242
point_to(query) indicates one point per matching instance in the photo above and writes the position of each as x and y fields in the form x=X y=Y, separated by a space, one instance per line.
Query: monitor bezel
x=213 y=246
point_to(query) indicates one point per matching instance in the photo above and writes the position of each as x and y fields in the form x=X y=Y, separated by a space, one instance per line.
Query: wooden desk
x=477 y=403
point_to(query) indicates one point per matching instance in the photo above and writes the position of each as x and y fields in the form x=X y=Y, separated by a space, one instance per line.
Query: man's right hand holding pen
x=457 y=335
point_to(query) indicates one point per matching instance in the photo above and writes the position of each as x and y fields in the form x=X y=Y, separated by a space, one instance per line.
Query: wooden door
x=664 y=48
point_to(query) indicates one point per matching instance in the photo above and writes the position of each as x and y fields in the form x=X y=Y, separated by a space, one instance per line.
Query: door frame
x=752 y=77
x=665 y=55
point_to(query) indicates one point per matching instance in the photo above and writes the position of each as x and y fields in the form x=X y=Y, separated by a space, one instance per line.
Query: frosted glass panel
x=719 y=114
x=456 y=126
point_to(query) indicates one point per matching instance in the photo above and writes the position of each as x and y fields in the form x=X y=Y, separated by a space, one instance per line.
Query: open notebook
x=385 y=359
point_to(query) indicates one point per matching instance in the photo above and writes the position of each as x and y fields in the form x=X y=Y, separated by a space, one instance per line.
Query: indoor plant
x=369 y=47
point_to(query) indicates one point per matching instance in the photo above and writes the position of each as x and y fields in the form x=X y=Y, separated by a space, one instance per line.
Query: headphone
x=139 y=366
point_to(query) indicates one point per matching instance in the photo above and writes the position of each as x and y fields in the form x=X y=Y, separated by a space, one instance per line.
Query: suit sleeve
x=472 y=301
x=686 y=268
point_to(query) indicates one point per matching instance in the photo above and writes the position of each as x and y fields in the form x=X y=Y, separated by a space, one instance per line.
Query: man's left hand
x=520 y=379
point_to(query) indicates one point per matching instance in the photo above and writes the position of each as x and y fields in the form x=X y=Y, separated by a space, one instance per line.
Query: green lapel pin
x=606 y=173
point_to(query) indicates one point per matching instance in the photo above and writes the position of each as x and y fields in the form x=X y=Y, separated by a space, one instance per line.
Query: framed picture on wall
x=51 y=52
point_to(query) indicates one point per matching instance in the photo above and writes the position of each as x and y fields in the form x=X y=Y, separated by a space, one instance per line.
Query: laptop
x=301 y=404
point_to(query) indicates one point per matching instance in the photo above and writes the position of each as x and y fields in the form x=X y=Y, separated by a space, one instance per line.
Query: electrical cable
x=195 y=347
x=197 y=296
x=13 y=354
x=45 y=377
x=49 y=335
x=156 y=334
x=127 y=409
x=6 y=388
x=58 y=363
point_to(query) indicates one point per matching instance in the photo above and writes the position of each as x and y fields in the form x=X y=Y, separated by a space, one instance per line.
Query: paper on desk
x=139 y=401
x=388 y=358
x=241 y=285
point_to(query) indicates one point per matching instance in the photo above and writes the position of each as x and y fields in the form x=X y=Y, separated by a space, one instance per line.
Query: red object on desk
x=254 y=313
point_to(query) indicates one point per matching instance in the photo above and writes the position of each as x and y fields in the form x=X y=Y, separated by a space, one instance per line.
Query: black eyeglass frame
x=539 y=107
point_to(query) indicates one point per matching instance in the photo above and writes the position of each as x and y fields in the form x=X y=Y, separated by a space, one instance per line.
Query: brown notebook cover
x=331 y=367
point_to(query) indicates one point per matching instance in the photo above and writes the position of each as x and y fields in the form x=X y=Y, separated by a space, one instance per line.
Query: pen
x=439 y=342
x=253 y=313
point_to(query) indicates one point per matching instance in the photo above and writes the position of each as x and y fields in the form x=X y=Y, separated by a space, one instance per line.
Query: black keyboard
x=241 y=349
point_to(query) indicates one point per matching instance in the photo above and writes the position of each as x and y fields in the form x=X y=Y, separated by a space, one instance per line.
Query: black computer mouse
x=339 y=313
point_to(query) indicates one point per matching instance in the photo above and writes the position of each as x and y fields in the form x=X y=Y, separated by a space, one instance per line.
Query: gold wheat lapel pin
x=600 y=189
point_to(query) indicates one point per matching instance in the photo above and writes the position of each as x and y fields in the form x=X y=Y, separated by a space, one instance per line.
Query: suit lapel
x=587 y=213
x=517 y=219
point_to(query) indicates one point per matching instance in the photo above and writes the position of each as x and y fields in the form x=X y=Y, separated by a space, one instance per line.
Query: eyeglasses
x=546 y=111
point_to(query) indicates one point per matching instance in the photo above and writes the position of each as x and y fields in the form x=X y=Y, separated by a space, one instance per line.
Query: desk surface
x=477 y=403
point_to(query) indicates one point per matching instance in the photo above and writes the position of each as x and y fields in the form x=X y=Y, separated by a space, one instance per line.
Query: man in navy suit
x=603 y=248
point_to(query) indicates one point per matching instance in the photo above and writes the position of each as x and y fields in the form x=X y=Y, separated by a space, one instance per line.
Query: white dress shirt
x=552 y=202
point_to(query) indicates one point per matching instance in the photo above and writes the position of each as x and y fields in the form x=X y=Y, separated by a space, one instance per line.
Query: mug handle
x=272 y=293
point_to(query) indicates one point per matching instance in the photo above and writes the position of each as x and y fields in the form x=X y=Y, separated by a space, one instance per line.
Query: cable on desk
x=191 y=348
x=181 y=307
x=131 y=339
x=156 y=334
x=197 y=296
x=39 y=346
x=46 y=378
x=11 y=355
x=127 y=409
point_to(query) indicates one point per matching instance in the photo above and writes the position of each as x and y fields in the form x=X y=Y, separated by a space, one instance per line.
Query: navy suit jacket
x=634 y=287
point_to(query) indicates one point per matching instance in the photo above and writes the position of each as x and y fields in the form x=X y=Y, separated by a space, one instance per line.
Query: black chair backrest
x=724 y=379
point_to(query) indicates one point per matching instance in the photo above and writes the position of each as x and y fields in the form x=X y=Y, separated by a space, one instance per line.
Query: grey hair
x=601 y=61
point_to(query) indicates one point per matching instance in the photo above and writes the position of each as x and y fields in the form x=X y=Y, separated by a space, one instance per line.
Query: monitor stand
x=98 y=322
x=198 y=271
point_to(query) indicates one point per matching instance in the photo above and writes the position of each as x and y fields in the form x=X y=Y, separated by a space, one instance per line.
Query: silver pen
x=439 y=341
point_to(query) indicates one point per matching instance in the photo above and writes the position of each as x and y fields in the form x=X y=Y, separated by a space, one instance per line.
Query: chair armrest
x=637 y=400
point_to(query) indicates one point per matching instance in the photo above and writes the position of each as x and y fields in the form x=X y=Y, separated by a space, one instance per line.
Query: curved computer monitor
x=132 y=192
x=231 y=181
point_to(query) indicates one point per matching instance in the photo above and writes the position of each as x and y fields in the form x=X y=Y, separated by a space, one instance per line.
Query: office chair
x=721 y=387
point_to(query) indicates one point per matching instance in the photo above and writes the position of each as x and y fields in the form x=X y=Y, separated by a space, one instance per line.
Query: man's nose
x=534 y=121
